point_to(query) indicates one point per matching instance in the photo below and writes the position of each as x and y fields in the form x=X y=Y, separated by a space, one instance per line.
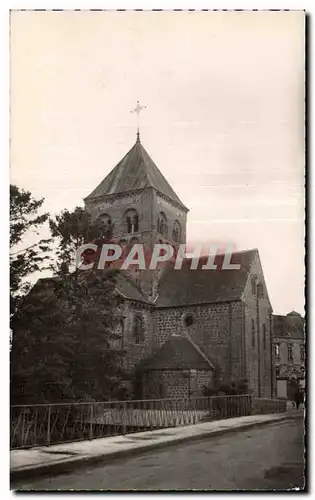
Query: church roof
x=199 y=286
x=290 y=326
x=128 y=289
x=177 y=353
x=135 y=171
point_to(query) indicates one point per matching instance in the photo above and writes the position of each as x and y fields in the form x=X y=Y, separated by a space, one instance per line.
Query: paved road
x=269 y=457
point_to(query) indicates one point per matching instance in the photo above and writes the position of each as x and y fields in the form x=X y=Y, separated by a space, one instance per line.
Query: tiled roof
x=290 y=326
x=188 y=286
x=135 y=171
x=177 y=353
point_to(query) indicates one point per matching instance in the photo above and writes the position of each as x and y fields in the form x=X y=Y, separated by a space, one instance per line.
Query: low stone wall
x=265 y=405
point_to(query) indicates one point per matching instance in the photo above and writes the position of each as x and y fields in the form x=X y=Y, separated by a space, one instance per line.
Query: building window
x=189 y=320
x=277 y=371
x=116 y=342
x=253 y=334
x=260 y=290
x=254 y=286
x=302 y=353
x=264 y=336
x=290 y=352
x=162 y=225
x=131 y=221
x=138 y=330
x=176 y=233
x=106 y=223
x=277 y=352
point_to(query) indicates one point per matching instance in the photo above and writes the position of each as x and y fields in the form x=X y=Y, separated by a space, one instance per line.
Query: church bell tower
x=138 y=203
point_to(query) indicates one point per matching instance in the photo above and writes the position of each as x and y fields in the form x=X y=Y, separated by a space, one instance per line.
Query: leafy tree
x=71 y=230
x=62 y=348
x=40 y=347
x=24 y=219
x=65 y=328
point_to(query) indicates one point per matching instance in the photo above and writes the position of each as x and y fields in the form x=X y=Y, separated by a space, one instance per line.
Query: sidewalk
x=64 y=457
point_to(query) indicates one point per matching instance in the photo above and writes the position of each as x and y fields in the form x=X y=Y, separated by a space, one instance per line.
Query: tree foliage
x=71 y=229
x=62 y=348
x=25 y=219
x=233 y=388
x=64 y=330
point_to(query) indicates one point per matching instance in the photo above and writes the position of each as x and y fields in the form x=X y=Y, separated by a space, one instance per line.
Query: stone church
x=181 y=329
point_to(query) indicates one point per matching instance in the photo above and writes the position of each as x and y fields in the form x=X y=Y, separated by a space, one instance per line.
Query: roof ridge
x=174 y=349
x=187 y=336
x=131 y=282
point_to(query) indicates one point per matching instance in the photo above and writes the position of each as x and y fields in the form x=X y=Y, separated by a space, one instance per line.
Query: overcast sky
x=224 y=119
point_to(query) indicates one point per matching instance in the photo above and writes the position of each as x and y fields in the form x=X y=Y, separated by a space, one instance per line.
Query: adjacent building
x=289 y=353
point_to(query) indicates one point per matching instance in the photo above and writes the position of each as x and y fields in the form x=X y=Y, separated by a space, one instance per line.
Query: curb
x=68 y=466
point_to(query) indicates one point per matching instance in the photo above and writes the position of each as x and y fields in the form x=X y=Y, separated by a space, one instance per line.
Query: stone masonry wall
x=203 y=379
x=222 y=331
x=217 y=330
x=172 y=213
x=116 y=205
x=257 y=311
x=136 y=351
x=175 y=383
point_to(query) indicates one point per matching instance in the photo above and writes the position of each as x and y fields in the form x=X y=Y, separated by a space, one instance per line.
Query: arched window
x=176 y=233
x=260 y=290
x=116 y=341
x=106 y=222
x=131 y=221
x=253 y=334
x=265 y=336
x=253 y=285
x=138 y=329
x=162 y=225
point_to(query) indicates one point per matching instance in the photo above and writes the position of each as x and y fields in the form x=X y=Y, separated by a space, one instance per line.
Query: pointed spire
x=138 y=135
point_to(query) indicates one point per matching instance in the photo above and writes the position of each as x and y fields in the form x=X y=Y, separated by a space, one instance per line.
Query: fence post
x=48 y=424
x=23 y=427
x=124 y=422
x=35 y=427
x=91 y=422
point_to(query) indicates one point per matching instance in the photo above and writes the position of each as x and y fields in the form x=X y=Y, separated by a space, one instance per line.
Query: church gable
x=255 y=283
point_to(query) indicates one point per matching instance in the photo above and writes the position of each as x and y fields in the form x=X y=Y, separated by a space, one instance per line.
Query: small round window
x=189 y=320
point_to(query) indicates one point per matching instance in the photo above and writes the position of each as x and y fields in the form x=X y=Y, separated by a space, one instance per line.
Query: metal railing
x=267 y=405
x=40 y=425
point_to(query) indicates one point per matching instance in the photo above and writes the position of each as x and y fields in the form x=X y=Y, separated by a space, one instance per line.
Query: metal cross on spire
x=138 y=110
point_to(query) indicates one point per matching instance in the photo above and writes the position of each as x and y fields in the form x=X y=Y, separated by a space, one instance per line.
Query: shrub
x=232 y=388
